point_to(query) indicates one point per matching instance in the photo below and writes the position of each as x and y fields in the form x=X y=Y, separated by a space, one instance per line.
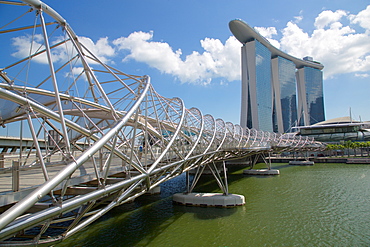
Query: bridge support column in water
x=225 y=199
x=267 y=171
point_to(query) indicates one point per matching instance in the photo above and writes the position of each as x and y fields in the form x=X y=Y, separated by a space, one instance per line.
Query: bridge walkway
x=16 y=182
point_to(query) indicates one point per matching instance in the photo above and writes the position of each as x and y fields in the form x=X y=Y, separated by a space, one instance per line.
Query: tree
x=348 y=145
x=331 y=147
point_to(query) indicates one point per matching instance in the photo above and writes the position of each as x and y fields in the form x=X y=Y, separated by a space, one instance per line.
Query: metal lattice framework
x=101 y=137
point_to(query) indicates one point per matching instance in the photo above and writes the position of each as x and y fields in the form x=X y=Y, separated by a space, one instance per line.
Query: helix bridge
x=100 y=137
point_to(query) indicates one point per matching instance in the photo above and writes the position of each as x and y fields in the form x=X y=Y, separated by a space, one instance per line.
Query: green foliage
x=349 y=145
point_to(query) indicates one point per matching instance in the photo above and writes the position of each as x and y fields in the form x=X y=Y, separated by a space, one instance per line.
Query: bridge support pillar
x=224 y=199
x=209 y=199
x=267 y=171
x=154 y=191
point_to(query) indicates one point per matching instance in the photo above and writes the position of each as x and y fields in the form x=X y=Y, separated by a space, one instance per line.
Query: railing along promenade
x=101 y=137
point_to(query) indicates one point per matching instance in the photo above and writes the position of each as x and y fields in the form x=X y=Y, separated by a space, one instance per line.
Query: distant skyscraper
x=311 y=107
x=271 y=80
x=285 y=94
x=257 y=109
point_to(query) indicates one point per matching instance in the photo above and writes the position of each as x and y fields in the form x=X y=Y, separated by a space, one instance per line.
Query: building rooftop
x=244 y=33
x=337 y=129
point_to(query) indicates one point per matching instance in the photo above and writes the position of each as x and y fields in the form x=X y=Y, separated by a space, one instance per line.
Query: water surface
x=320 y=205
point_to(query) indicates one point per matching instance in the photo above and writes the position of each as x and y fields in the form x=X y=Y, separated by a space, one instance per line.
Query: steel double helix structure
x=101 y=137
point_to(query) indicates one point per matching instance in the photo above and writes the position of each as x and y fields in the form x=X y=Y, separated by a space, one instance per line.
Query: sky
x=188 y=51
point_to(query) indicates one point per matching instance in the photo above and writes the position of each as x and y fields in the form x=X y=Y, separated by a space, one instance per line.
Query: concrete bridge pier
x=267 y=171
x=225 y=199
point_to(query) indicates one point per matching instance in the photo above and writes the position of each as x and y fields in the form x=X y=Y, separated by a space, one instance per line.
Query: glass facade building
x=285 y=92
x=279 y=91
x=314 y=95
x=263 y=87
x=310 y=90
x=257 y=92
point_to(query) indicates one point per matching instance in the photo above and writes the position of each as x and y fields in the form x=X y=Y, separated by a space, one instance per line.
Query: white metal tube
x=38 y=150
x=5 y=94
x=41 y=191
x=55 y=84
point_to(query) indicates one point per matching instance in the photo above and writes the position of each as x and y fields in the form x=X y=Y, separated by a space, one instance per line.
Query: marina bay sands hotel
x=273 y=82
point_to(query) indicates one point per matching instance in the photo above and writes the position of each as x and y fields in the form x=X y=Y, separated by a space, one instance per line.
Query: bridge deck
x=32 y=177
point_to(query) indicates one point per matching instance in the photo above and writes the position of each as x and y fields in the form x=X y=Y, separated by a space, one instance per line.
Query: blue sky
x=189 y=52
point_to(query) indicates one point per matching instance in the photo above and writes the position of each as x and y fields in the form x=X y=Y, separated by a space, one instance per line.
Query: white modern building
x=273 y=82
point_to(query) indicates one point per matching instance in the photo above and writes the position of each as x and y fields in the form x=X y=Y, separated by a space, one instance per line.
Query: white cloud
x=328 y=17
x=26 y=45
x=335 y=42
x=225 y=57
x=362 y=18
x=298 y=19
x=267 y=33
x=362 y=75
x=217 y=60
x=156 y=54
x=337 y=46
x=101 y=48
x=76 y=72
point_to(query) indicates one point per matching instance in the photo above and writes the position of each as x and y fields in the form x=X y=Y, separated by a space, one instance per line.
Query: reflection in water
x=320 y=205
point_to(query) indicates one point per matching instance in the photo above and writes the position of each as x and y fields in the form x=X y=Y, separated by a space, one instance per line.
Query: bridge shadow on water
x=132 y=223
x=140 y=222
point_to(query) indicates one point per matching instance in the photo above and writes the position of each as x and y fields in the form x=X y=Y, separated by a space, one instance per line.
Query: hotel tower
x=279 y=91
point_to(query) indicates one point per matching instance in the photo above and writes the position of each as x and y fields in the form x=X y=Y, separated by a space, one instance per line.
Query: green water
x=320 y=205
